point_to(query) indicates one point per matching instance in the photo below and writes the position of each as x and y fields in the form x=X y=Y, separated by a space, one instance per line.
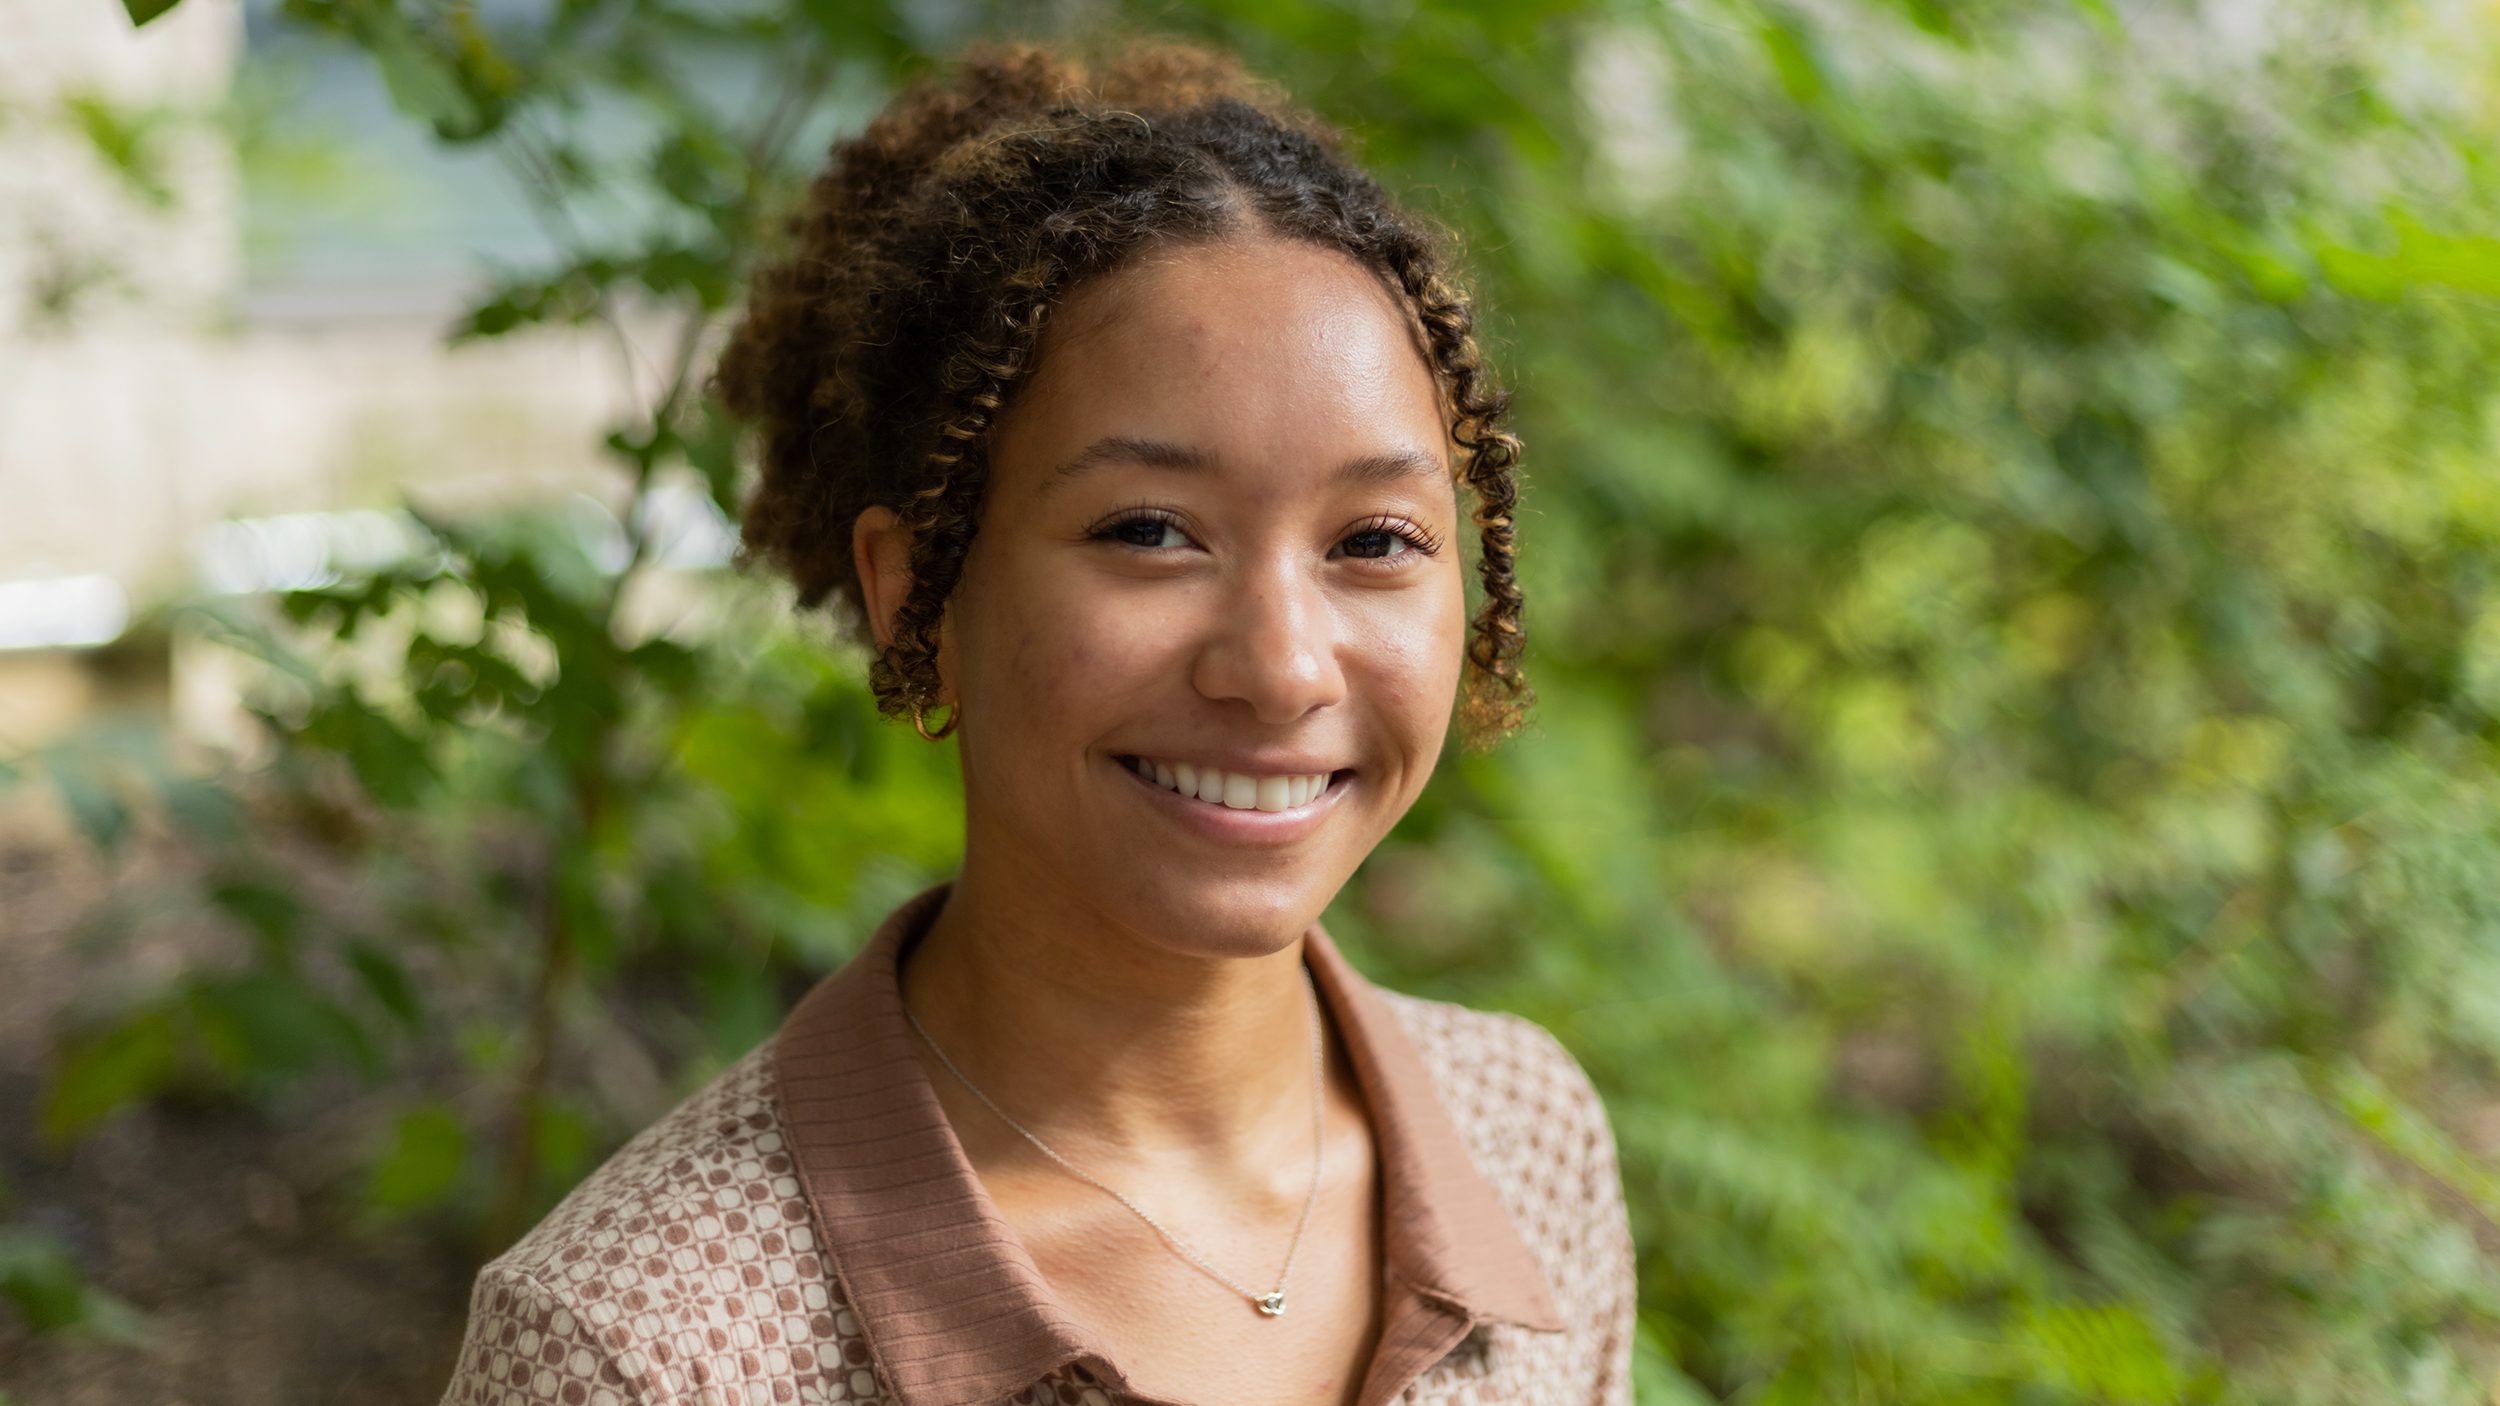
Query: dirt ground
x=221 y=1224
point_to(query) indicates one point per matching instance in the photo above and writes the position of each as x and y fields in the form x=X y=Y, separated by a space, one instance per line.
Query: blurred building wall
x=144 y=397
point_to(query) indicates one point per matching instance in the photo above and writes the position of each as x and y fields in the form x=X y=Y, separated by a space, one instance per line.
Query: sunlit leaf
x=142 y=11
x=429 y=1147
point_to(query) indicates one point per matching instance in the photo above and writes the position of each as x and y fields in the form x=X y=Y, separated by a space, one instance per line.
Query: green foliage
x=125 y=139
x=2012 y=830
x=428 y=1150
x=2014 y=579
x=526 y=799
x=141 y=11
x=41 y=1283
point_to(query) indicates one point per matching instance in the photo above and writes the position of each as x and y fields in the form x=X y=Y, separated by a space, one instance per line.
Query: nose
x=1274 y=647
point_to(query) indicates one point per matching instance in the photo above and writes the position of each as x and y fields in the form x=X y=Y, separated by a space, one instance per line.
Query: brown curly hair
x=878 y=350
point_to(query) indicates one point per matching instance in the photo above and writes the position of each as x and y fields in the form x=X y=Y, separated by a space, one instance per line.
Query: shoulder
x=687 y=1260
x=1537 y=1130
x=712 y=1178
x=1509 y=1085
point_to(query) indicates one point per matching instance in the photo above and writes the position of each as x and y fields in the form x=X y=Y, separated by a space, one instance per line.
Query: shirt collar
x=951 y=1301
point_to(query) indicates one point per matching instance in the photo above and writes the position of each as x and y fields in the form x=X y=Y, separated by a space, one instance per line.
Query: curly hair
x=879 y=348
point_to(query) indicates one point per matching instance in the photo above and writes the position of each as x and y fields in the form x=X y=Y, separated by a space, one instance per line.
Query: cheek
x=1410 y=649
x=1062 y=653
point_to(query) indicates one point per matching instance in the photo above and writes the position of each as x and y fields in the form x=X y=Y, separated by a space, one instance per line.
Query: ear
x=881 y=551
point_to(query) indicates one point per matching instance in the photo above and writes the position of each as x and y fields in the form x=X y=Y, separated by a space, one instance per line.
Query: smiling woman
x=1131 y=423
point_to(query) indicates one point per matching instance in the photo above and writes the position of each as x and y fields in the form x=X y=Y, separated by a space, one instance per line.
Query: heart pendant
x=1273 y=1304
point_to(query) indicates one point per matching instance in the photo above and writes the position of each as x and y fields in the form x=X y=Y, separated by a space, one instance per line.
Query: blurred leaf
x=712 y=450
x=422 y=82
x=667 y=665
x=573 y=294
x=93 y=803
x=125 y=138
x=2403 y=1131
x=428 y=1150
x=206 y=810
x=2105 y=1353
x=265 y=1025
x=103 y=1069
x=567 y=1143
x=391 y=762
x=43 y=1283
x=387 y=981
x=273 y=915
x=2422 y=258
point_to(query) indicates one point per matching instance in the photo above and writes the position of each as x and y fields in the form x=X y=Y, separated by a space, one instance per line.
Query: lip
x=1249 y=764
x=1226 y=825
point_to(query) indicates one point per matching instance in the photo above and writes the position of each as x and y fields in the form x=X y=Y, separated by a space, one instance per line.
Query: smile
x=1233 y=790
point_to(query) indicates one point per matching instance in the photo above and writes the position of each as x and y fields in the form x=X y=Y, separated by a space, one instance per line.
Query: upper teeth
x=1238 y=790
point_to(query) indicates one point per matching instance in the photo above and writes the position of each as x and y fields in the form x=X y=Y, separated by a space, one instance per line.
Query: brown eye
x=1141 y=530
x=1390 y=540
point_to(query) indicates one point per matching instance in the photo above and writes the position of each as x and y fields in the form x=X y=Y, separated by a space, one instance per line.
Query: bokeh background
x=2013 y=552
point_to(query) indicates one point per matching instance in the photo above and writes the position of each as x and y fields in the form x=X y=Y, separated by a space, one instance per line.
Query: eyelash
x=1424 y=543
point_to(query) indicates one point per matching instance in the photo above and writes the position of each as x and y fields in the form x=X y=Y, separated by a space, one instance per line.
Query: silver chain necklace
x=1272 y=1303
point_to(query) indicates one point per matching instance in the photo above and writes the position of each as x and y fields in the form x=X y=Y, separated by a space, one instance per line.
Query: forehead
x=1259 y=347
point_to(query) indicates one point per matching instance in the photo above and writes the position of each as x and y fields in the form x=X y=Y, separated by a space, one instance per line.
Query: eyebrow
x=1381 y=467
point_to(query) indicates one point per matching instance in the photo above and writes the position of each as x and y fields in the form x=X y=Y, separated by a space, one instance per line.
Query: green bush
x=2013 y=581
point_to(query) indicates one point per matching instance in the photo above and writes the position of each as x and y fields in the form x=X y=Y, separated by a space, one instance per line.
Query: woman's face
x=1220 y=546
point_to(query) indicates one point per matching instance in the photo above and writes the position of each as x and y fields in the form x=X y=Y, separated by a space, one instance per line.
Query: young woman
x=1130 y=421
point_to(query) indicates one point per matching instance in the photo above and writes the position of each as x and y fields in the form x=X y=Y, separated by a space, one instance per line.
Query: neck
x=1105 y=1042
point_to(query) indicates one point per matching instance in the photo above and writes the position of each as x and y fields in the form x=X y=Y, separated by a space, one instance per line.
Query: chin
x=1230 y=918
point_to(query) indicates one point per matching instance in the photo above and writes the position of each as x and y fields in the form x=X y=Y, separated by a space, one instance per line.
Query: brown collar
x=949 y=1297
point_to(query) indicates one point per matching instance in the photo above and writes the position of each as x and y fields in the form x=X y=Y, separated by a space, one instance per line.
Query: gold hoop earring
x=920 y=721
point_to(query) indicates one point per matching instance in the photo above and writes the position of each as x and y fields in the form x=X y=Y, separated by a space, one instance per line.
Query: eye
x=1143 y=528
x=1380 y=539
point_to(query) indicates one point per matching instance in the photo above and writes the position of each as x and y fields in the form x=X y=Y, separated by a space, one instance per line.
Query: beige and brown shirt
x=806 y=1228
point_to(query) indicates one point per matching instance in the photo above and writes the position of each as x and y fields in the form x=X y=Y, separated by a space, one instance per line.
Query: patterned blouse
x=806 y=1228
